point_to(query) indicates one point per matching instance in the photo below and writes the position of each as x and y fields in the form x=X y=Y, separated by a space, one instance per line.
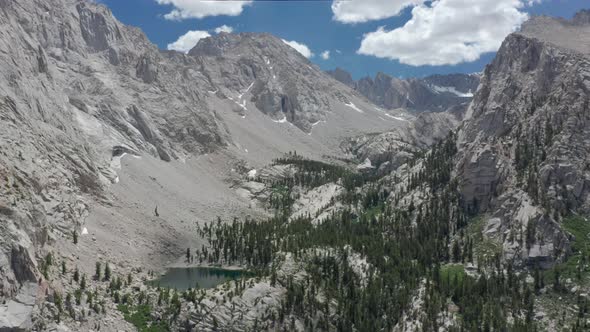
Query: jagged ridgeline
x=446 y=203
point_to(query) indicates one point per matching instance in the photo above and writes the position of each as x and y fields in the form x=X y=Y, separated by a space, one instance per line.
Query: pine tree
x=456 y=252
x=97 y=271
x=107 y=272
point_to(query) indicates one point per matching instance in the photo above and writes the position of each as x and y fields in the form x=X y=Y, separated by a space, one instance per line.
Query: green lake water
x=185 y=278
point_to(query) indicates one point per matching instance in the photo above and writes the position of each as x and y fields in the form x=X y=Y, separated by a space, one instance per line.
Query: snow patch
x=247 y=90
x=453 y=90
x=116 y=161
x=283 y=120
x=354 y=107
x=365 y=165
x=252 y=174
x=396 y=117
x=88 y=123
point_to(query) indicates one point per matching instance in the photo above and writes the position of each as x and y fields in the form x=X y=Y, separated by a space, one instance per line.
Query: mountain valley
x=445 y=203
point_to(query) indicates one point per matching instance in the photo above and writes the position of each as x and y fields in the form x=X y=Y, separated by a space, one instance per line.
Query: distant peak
x=582 y=17
x=341 y=75
x=223 y=43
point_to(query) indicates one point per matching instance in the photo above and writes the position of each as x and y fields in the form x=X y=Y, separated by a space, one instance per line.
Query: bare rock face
x=71 y=94
x=146 y=70
x=342 y=75
x=524 y=143
x=15 y=315
x=582 y=17
x=264 y=70
x=97 y=26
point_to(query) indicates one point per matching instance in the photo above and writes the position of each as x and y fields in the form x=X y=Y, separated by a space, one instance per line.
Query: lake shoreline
x=183 y=278
x=184 y=265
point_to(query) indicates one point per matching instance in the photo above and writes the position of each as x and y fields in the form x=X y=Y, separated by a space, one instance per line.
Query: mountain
x=434 y=93
x=100 y=129
x=443 y=203
x=524 y=143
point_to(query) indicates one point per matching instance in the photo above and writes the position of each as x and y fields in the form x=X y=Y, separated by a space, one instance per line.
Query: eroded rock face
x=15 y=315
x=71 y=92
x=145 y=69
x=262 y=69
x=526 y=137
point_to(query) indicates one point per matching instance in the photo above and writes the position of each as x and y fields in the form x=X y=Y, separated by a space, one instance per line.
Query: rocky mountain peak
x=524 y=142
x=264 y=70
x=342 y=76
x=246 y=44
x=582 y=17
x=570 y=34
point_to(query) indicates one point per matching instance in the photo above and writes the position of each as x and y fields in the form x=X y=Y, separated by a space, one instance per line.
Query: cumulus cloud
x=447 y=32
x=224 y=28
x=325 y=55
x=187 y=41
x=184 y=9
x=358 y=11
x=301 y=48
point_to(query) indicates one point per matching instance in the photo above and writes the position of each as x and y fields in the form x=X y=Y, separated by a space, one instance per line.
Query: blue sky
x=315 y=24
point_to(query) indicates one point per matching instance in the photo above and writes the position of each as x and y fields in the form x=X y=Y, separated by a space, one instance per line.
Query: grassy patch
x=453 y=272
x=576 y=266
x=279 y=189
x=483 y=246
x=373 y=211
x=140 y=316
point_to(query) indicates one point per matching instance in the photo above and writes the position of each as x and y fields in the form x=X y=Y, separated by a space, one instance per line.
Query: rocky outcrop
x=97 y=27
x=342 y=75
x=387 y=151
x=15 y=315
x=146 y=69
x=524 y=144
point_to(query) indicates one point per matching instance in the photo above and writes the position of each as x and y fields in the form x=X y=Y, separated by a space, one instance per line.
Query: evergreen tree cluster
x=406 y=248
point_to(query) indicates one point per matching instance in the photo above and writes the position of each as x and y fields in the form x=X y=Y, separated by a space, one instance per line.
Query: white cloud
x=301 y=48
x=325 y=55
x=187 y=41
x=447 y=32
x=224 y=28
x=184 y=9
x=358 y=11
